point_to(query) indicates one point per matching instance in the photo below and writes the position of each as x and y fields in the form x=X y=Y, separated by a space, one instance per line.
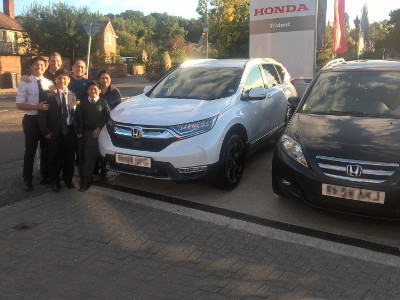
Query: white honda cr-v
x=199 y=121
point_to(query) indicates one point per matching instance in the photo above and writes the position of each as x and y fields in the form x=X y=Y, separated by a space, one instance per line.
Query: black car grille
x=152 y=145
x=127 y=140
x=356 y=170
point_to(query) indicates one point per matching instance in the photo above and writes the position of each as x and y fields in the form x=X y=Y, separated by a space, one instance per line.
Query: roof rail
x=333 y=62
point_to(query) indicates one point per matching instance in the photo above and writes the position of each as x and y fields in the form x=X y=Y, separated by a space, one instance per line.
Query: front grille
x=356 y=170
x=139 y=138
x=152 y=145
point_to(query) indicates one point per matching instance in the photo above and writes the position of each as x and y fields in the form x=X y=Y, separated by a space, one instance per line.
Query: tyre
x=231 y=162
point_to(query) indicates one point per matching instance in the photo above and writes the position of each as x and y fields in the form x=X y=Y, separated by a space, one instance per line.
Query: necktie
x=40 y=87
x=64 y=127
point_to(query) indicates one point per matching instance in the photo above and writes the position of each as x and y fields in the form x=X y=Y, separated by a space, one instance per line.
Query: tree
x=126 y=43
x=393 y=39
x=58 y=27
x=229 y=23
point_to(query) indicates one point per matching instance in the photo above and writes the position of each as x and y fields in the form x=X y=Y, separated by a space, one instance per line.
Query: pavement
x=104 y=244
x=108 y=244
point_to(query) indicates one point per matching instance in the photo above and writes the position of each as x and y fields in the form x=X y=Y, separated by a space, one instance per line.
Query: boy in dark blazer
x=60 y=127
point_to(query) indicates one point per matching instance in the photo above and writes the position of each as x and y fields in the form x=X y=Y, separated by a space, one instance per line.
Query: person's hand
x=26 y=78
x=43 y=105
x=108 y=108
x=85 y=76
x=96 y=132
x=48 y=136
x=79 y=135
x=53 y=89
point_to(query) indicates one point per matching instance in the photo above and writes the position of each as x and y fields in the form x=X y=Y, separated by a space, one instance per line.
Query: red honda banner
x=339 y=39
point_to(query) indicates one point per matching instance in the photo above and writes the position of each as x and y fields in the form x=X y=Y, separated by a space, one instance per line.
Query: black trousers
x=88 y=156
x=62 y=155
x=32 y=134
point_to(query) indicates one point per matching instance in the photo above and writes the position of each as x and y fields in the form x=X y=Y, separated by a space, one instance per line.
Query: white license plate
x=132 y=160
x=353 y=193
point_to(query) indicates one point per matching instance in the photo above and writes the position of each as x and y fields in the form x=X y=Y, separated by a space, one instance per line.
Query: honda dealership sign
x=286 y=31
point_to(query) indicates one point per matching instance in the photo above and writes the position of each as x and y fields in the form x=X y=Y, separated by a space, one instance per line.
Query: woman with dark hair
x=112 y=94
x=113 y=97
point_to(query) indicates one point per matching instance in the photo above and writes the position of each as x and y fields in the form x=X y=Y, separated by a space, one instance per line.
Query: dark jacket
x=50 y=120
x=113 y=96
x=93 y=115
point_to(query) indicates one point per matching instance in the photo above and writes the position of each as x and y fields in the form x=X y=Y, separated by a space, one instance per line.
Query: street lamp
x=91 y=29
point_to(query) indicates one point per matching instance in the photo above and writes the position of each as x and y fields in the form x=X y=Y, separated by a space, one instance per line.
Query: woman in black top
x=113 y=97
x=112 y=94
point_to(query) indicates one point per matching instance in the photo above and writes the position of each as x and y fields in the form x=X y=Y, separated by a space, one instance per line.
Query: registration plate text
x=132 y=160
x=353 y=193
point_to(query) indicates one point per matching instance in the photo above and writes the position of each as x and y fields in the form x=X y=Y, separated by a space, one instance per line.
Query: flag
x=364 y=27
x=339 y=39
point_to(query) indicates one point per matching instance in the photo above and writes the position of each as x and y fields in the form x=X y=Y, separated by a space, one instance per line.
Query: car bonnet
x=362 y=138
x=143 y=110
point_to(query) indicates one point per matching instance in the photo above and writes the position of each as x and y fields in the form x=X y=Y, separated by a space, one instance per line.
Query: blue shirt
x=78 y=87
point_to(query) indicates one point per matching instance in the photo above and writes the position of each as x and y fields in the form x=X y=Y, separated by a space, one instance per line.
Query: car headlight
x=293 y=149
x=194 y=128
x=110 y=124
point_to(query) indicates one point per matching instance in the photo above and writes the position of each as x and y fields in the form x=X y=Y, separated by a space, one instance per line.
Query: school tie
x=64 y=126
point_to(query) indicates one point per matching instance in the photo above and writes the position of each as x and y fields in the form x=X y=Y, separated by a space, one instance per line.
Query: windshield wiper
x=351 y=112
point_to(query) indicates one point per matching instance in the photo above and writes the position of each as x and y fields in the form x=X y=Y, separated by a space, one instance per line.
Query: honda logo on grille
x=136 y=132
x=354 y=170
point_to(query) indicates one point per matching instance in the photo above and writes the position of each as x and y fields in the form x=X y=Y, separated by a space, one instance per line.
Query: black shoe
x=84 y=187
x=55 y=187
x=44 y=181
x=103 y=173
x=28 y=186
x=70 y=185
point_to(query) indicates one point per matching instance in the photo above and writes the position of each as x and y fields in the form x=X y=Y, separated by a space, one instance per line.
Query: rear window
x=203 y=83
x=364 y=93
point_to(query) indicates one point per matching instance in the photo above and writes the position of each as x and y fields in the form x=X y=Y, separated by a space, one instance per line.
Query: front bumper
x=292 y=180
x=202 y=150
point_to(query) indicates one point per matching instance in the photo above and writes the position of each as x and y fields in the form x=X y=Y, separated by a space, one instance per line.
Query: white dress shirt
x=28 y=93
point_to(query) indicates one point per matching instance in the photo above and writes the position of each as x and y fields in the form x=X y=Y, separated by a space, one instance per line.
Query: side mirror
x=257 y=93
x=147 y=88
x=293 y=102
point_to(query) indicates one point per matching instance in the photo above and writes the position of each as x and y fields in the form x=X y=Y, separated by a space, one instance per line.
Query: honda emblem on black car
x=354 y=170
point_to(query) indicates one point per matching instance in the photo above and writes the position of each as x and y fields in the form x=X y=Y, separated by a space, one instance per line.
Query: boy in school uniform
x=60 y=127
x=94 y=113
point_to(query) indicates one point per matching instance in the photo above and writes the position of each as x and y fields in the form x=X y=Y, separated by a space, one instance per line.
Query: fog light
x=191 y=170
x=287 y=183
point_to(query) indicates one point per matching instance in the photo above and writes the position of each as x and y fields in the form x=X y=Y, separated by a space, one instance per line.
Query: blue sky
x=378 y=9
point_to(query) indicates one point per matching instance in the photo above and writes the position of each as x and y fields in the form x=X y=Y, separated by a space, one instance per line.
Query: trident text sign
x=285 y=30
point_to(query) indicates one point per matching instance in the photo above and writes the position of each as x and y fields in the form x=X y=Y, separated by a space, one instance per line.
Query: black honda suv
x=341 y=148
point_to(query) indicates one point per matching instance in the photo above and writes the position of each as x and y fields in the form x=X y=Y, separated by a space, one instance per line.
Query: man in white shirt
x=28 y=99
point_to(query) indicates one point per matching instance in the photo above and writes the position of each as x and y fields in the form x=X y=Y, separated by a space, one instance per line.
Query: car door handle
x=269 y=95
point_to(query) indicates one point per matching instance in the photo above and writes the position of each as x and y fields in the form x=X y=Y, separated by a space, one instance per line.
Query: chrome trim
x=377 y=172
x=332 y=167
x=354 y=179
x=364 y=171
x=354 y=161
x=269 y=133
x=146 y=133
x=122 y=130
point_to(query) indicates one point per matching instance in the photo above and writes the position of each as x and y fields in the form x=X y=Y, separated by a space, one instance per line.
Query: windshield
x=203 y=83
x=355 y=93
